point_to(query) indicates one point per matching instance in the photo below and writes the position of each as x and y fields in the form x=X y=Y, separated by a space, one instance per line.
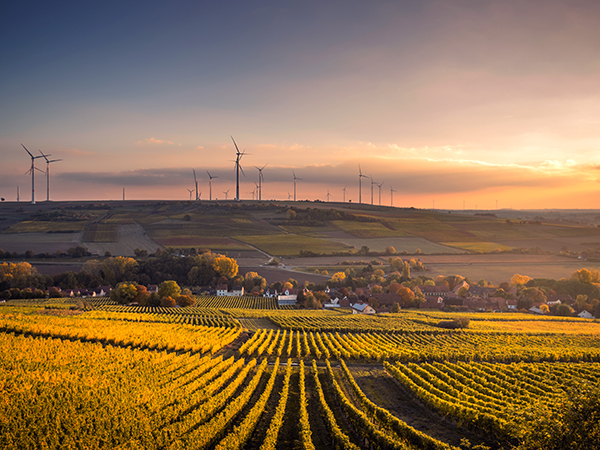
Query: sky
x=478 y=104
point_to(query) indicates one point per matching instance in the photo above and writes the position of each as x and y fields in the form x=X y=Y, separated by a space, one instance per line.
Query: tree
x=407 y=296
x=143 y=296
x=167 y=302
x=390 y=250
x=224 y=266
x=395 y=307
x=124 y=293
x=185 y=300
x=338 y=278
x=517 y=279
x=169 y=288
x=564 y=310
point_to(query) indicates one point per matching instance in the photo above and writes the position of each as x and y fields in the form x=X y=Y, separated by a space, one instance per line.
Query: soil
x=383 y=390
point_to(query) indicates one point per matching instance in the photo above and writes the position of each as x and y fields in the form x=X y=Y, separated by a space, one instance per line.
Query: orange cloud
x=153 y=140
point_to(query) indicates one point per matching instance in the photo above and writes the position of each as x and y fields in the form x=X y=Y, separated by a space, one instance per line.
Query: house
x=435 y=291
x=222 y=290
x=585 y=314
x=511 y=305
x=103 y=291
x=332 y=303
x=287 y=297
x=152 y=289
x=344 y=302
x=270 y=293
x=433 y=303
x=536 y=310
x=362 y=308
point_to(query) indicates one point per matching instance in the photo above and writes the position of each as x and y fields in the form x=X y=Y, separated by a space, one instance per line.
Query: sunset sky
x=445 y=101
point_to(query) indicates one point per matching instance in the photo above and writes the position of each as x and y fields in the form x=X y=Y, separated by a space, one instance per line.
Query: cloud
x=153 y=140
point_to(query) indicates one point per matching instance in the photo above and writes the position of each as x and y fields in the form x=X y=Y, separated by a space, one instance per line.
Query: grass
x=202 y=242
x=292 y=244
x=484 y=247
x=368 y=229
x=28 y=226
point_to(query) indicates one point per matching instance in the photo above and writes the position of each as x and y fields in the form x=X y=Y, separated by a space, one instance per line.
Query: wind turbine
x=344 y=190
x=210 y=178
x=328 y=195
x=379 y=186
x=295 y=178
x=195 y=183
x=289 y=196
x=238 y=167
x=261 y=178
x=226 y=194
x=372 y=183
x=190 y=191
x=48 y=173
x=32 y=170
x=392 y=190
x=360 y=177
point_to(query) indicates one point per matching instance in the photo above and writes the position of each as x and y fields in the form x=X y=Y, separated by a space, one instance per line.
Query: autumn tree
x=519 y=280
x=124 y=293
x=185 y=300
x=168 y=288
x=407 y=296
x=225 y=266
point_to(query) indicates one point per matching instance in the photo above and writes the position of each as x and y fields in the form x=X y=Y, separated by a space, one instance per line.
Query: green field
x=46 y=227
x=291 y=245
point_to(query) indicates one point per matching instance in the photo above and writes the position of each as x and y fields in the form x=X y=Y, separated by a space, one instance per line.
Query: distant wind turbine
x=261 y=178
x=48 y=173
x=210 y=178
x=360 y=177
x=295 y=178
x=328 y=195
x=190 y=191
x=372 y=183
x=289 y=196
x=238 y=167
x=32 y=171
x=392 y=190
x=195 y=183
x=226 y=194
x=344 y=190
x=379 y=186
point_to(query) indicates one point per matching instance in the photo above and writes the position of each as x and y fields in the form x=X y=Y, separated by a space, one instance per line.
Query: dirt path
x=381 y=389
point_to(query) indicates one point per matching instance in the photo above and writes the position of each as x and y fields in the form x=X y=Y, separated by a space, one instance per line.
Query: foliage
x=570 y=422
x=225 y=266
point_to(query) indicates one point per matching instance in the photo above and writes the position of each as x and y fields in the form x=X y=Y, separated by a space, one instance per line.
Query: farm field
x=130 y=237
x=217 y=376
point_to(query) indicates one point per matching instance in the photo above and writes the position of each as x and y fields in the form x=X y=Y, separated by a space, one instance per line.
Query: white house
x=362 y=308
x=287 y=297
x=585 y=314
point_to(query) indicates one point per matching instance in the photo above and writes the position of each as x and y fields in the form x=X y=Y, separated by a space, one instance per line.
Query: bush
x=459 y=322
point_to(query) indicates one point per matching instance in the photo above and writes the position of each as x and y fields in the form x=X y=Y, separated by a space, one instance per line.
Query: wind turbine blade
x=27 y=150
x=236 y=147
x=54 y=160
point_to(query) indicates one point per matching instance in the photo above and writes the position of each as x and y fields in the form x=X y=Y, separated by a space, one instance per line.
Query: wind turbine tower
x=360 y=177
x=48 y=174
x=18 y=198
x=32 y=170
x=210 y=178
x=372 y=183
x=295 y=178
x=195 y=183
x=328 y=195
x=238 y=167
x=379 y=186
x=344 y=191
x=190 y=191
x=261 y=178
x=392 y=190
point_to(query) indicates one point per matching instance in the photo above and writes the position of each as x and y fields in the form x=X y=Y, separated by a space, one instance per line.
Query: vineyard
x=254 y=377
